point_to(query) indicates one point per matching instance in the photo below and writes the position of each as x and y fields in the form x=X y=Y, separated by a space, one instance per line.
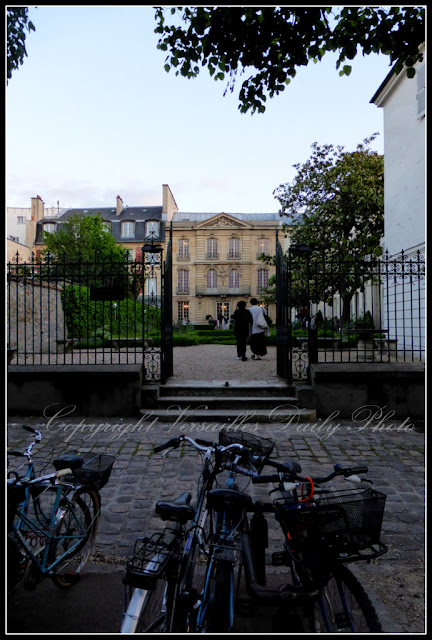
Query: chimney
x=37 y=209
x=119 y=207
x=169 y=205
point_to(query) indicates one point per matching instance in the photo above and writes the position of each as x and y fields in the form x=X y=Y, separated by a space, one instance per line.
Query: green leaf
x=411 y=72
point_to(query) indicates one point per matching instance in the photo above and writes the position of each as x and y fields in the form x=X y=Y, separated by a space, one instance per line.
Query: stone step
x=225 y=416
x=228 y=402
x=226 y=388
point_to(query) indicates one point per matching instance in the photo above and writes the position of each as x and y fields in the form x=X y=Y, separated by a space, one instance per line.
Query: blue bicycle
x=52 y=519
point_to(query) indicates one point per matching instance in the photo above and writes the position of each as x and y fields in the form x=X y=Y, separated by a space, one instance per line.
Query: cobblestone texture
x=393 y=453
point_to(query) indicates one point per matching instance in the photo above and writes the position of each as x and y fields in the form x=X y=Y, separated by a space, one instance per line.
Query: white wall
x=404 y=165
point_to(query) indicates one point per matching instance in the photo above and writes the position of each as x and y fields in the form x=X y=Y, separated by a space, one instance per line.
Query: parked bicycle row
x=186 y=578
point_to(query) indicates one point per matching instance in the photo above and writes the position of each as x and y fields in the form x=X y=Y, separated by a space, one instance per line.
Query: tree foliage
x=273 y=42
x=17 y=24
x=84 y=249
x=335 y=207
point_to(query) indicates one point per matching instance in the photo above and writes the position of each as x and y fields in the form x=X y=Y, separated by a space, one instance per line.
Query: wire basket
x=96 y=469
x=257 y=445
x=149 y=561
x=345 y=522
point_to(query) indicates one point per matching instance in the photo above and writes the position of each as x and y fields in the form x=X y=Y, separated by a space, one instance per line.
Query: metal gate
x=166 y=328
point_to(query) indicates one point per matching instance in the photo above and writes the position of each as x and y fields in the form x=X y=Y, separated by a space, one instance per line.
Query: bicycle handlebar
x=286 y=474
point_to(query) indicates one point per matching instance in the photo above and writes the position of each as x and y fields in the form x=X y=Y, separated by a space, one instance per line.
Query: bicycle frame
x=47 y=534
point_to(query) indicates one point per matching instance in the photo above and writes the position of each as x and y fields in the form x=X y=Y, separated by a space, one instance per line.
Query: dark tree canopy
x=271 y=43
x=17 y=23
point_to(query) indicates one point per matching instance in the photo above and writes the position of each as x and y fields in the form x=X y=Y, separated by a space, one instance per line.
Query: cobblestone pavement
x=392 y=450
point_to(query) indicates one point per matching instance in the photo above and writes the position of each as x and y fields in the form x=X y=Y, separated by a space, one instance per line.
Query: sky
x=92 y=114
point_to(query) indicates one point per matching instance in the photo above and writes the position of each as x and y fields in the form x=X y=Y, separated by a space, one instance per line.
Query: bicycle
x=325 y=528
x=166 y=589
x=52 y=519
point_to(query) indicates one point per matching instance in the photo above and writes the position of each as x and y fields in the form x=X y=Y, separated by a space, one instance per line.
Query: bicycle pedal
x=279 y=558
x=245 y=607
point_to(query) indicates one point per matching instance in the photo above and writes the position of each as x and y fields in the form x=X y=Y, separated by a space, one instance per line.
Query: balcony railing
x=183 y=290
x=244 y=290
x=233 y=255
x=212 y=256
x=183 y=257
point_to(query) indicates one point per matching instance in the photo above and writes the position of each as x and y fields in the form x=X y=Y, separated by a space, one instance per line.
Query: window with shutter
x=421 y=92
x=234 y=279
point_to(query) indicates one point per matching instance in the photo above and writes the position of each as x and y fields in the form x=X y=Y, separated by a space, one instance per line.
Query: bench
x=385 y=345
x=66 y=345
x=117 y=343
x=322 y=342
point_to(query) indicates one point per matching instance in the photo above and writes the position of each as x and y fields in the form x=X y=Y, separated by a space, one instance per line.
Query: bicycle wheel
x=344 y=606
x=75 y=535
x=149 y=611
x=217 y=609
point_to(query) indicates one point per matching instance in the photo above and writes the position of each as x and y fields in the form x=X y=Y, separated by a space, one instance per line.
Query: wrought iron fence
x=102 y=312
x=352 y=310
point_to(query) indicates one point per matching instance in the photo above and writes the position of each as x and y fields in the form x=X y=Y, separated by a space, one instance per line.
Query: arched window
x=212 y=248
x=234 y=279
x=211 y=279
x=262 y=246
x=234 y=248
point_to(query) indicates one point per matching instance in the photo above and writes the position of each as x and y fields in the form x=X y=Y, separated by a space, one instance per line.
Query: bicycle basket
x=149 y=561
x=345 y=522
x=257 y=445
x=15 y=495
x=96 y=469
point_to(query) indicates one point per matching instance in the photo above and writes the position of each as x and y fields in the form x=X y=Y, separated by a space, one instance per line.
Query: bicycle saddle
x=68 y=461
x=178 y=510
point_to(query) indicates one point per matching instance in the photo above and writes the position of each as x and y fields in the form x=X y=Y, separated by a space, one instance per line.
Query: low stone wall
x=87 y=390
x=35 y=316
x=395 y=388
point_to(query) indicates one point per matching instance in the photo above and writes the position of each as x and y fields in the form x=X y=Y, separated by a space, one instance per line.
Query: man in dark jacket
x=242 y=322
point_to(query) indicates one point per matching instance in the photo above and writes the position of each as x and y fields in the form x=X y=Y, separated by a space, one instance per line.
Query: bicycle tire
x=80 y=513
x=149 y=611
x=219 y=605
x=329 y=613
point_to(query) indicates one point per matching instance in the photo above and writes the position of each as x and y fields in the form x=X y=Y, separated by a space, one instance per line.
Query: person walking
x=242 y=322
x=259 y=326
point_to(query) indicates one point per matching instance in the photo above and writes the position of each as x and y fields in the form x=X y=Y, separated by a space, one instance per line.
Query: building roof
x=182 y=216
x=109 y=213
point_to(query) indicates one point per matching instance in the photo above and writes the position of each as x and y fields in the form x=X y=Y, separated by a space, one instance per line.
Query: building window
x=128 y=230
x=20 y=219
x=49 y=227
x=263 y=246
x=211 y=279
x=152 y=229
x=212 y=248
x=130 y=253
x=182 y=281
x=234 y=279
x=234 y=248
x=183 y=248
x=262 y=279
x=183 y=312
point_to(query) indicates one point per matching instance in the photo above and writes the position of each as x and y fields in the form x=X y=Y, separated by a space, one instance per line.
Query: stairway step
x=222 y=416
x=221 y=388
x=228 y=402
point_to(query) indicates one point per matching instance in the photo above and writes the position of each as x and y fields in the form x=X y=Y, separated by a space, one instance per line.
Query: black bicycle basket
x=149 y=561
x=96 y=469
x=345 y=523
x=257 y=445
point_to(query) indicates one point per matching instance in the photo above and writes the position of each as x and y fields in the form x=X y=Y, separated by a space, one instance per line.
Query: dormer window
x=49 y=227
x=128 y=229
x=152 y=229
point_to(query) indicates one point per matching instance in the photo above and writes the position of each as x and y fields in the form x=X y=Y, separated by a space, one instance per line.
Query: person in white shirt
x=259 y=325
